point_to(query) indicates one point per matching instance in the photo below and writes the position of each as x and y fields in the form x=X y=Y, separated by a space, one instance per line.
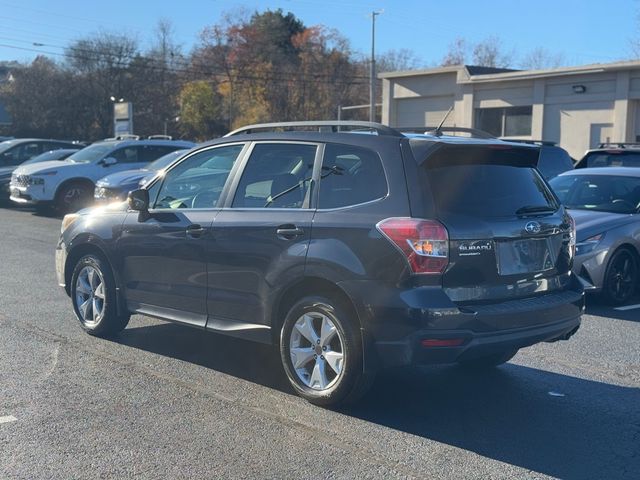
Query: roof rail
x=475 y=133
x=159 y=137
x=321 y=126
x=619 y=145
x=123 y=137
x=546 y=143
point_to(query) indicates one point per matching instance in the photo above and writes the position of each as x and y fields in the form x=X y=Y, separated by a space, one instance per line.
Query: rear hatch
x=509 y=238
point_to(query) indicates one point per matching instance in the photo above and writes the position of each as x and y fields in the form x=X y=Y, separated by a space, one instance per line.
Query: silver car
x=605 y=203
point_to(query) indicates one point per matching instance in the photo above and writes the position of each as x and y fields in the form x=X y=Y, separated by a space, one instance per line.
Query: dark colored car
x=17 y=151
x=553 y=160
x=605 y=203
x=611 y=155
x=117 y=185
x=350 y=252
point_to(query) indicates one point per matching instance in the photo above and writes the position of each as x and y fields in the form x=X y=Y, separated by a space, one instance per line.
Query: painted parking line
x=7 y=419
x=628 y=307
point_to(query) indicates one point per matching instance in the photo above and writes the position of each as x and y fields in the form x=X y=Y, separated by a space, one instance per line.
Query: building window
x=505 y=122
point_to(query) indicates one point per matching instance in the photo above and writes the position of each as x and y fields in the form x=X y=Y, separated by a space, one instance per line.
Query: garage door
x=423 y=111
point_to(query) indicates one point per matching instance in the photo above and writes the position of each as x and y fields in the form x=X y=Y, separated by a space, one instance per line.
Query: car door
x=260 y=238
x=163 y=251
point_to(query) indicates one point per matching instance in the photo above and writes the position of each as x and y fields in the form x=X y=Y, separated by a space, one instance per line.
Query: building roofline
x=518 y=74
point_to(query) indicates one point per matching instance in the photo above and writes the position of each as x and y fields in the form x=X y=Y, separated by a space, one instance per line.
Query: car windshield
x=605 y=193
x=44 y=157
x=91 y=153
x=164 y=161
x=6 y=145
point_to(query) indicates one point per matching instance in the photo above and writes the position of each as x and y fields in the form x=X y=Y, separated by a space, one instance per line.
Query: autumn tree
x=200 y=111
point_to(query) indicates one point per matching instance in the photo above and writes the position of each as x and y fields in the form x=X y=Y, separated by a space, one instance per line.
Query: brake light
x=425 y=243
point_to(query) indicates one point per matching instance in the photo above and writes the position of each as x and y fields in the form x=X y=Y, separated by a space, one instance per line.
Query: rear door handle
x=289 y=231
x=195 y=231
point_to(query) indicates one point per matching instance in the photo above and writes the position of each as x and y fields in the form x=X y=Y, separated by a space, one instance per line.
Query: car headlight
x=68 y=220
x=589 y=244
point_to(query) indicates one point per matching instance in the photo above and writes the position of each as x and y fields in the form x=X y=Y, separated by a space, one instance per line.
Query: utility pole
x=372 y=70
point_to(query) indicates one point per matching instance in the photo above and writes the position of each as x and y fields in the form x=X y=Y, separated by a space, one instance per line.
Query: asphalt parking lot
x=166 y=401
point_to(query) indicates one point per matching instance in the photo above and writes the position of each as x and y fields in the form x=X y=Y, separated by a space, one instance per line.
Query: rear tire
x=620 y=278
x=321 y=352
x=488 y=361
x=93 y=294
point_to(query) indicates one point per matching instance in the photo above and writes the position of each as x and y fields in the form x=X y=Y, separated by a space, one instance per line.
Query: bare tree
x=540 y=58
x=397 y=60
x=456 y=54
x=489 y=53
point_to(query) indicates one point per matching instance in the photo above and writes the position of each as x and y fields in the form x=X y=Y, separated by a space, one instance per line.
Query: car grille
x=20 y=180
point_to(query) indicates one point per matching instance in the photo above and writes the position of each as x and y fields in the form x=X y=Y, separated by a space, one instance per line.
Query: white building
x=577 y=107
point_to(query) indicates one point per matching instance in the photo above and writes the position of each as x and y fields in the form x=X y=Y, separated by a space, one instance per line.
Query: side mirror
x=107 y=162
x=138 y=200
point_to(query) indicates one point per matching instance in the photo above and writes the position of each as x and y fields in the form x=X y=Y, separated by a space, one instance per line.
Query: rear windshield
x=488 y=190
x=611 y=159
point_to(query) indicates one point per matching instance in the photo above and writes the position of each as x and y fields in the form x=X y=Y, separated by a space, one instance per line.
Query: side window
x=24 y=152
x=193 y=183
x=154 y=152
x=277 y=175
x=350 y=175
x=127 y=154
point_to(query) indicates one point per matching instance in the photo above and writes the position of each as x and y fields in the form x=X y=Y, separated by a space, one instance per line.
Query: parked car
x=611 y=155
x=17 y=151
x=69 y=184
x=351 y=252
x=116 y=186
x=553 y=160
x=605 y=203
x=60 y=154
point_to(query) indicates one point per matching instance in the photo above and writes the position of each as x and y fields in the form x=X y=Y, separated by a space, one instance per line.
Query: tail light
x=425 y=243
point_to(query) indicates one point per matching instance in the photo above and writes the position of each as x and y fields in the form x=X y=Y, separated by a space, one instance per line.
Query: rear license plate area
x=524 y=256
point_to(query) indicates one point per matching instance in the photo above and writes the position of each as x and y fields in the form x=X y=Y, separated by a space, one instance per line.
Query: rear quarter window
x=350 y=176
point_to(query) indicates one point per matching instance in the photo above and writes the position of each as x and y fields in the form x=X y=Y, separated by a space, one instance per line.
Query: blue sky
x=586 y=31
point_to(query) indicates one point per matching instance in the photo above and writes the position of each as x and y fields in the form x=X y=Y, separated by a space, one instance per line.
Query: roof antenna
x=437 y=131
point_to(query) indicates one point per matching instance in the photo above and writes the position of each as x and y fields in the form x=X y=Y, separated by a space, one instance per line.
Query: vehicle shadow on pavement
x=546 y=422
x=599 y=309
x=254 y=362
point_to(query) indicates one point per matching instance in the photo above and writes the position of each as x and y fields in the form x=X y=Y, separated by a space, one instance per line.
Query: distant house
x=577 y=107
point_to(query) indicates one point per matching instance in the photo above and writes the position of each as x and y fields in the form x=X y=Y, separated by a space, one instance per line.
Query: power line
x=96 y=55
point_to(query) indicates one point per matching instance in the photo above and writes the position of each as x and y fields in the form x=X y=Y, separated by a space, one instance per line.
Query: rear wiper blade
x=535 y=209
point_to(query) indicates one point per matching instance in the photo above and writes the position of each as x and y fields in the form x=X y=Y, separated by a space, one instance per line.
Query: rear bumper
x=410 y=351
x=396 y=321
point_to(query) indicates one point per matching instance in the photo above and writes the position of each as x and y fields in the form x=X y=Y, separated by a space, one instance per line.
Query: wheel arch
x=308 y=286
x=305 y=287
x=87 y=248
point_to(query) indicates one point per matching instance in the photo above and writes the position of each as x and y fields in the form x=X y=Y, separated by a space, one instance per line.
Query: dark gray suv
x=350 y=246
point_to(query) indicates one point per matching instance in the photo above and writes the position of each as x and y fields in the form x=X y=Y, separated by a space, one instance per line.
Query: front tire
x=93 y=294
x=620 y=278
x=321 y=352
x=73 y=196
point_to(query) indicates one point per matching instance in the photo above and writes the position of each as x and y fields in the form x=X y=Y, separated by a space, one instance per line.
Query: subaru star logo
x=532 y=227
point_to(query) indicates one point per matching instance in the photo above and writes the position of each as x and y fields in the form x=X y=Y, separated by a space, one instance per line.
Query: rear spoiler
x=441 y=154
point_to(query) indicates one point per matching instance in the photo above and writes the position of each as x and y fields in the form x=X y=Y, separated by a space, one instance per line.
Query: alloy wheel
x=90 y=295
x=316 y=350
x=622 y=277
